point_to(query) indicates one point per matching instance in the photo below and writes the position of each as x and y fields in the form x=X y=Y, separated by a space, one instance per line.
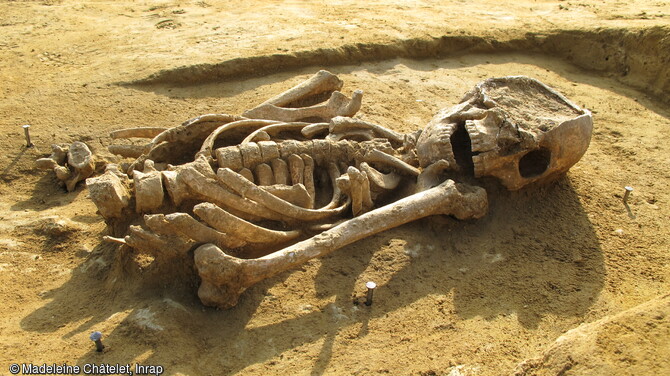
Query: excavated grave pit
x=496 y=290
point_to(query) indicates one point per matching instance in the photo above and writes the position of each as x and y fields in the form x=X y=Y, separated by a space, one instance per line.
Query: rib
x=246 y=231
x=250 y=190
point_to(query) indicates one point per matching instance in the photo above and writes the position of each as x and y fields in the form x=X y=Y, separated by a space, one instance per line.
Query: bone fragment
x=259 y=135
x=333 y=174
x=310 y=131
x=295 y=194
x=352 y=134
x=224 y=278
x=190 y=228
x=113 y=168
x=80 y=159
x=129 y=151
x=341 y=124
x=322 y=82
x=377 y=156
x=148 y=188
x=384 y=181
x=247 y=174
x=112 y=239
x=46 y=164
x=109 y=194
x=357 y=186
x=162 y=245
x=58 y=157
x=173 y=181
x=337 y=105
x=59 y=153
x=177 y=191
x=142 y=132
x=246 y=231
x=62 y=173
x=431 y=175
x=251 y=154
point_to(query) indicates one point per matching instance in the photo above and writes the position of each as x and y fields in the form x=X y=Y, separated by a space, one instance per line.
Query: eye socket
x=534 y=163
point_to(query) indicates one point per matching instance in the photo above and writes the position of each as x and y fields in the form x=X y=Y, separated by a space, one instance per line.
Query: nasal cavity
x=534 y=163
x=462 y=148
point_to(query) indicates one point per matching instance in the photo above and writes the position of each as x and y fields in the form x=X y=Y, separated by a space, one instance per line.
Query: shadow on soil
x=535 y=254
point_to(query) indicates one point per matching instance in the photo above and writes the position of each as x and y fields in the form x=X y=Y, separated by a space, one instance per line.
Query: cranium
x=298 y=171
x=513 y=128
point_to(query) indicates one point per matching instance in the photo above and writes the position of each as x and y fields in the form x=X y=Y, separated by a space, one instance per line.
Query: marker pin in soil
x=371 y=289
x=629 y=189
x=96 y=337
x=26 y=132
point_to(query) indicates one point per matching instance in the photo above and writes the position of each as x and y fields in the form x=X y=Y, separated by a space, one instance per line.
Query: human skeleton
x=298 y=177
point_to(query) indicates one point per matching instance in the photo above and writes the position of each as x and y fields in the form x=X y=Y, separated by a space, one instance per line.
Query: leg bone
x=225 y=277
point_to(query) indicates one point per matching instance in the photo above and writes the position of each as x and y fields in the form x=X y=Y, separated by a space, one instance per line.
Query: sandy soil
x=454 y=298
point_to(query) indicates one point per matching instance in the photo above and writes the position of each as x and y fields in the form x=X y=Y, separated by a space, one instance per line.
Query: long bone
x=300 y=101
x=225 y=278
x=337 y=105
x=322 y=82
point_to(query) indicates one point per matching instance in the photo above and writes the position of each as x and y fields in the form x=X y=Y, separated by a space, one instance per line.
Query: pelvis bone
x=298 y=176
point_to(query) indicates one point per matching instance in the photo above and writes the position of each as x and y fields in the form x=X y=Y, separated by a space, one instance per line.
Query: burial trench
x=523 y=238
x=406 y=82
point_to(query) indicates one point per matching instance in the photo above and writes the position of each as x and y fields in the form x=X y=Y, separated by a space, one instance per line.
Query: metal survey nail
x=96 y=337
x=371 y=288
x=625 y=195
x=26 y=131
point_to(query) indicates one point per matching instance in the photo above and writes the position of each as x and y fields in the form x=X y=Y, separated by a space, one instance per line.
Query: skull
x=513 y=128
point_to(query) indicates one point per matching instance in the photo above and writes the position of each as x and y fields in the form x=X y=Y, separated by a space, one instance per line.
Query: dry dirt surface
x=555 y=280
